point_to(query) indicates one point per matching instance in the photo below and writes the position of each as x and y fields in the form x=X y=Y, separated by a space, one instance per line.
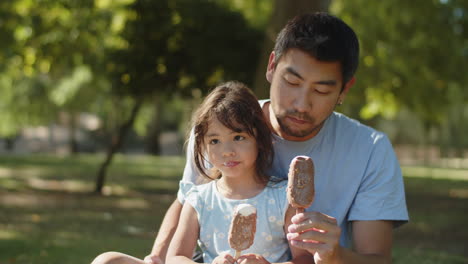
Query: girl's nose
x=228 y=150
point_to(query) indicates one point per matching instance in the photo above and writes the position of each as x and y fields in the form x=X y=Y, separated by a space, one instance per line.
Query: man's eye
x=238 y=138
x=291 y=80
x=214 y=142
x=321 y=92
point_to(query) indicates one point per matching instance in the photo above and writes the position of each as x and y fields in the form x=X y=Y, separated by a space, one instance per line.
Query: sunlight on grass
x=435 y=173
x=49 y=214
x=132 y=204
x=62 y=185
x=9 y=234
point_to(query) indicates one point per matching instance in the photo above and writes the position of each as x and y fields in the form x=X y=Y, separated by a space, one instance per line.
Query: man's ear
x=271 y=67
x=346 y=88
x=348 y=85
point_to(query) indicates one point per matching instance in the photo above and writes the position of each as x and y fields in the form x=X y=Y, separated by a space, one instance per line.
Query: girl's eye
x=214 y=142
x=239 y=138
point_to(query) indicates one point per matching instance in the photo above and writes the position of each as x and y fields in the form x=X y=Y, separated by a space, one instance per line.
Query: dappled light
x=56 y=185
x=58 y=211
x=437 y=173
x=91 y=91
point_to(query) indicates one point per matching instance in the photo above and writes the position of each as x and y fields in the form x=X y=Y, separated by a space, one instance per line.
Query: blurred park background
x=96 y=95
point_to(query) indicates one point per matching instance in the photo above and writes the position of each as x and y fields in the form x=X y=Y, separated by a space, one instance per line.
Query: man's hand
x=252 y=259
x=153 y=259
x=317 y=233
x=224 y=258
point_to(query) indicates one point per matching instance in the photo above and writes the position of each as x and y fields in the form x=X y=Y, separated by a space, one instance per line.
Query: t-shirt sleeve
x=191 y=176
x=381 y=195
x=193 y=198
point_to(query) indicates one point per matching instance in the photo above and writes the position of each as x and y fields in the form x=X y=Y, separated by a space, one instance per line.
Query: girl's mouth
x=231 y=164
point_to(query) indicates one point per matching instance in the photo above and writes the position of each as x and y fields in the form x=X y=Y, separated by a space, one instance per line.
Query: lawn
x=48 y=214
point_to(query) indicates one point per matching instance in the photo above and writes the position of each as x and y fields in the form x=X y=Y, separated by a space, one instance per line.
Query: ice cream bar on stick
x=301 y=189
x=243 y=227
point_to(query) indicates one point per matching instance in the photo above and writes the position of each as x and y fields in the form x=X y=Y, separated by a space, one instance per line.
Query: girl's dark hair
x=237 y=108
x=322 y=36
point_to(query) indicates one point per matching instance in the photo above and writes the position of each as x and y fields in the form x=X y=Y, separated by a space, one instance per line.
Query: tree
x=174 y=47
x=54 y=51
x=412 y=56
x=406 y=59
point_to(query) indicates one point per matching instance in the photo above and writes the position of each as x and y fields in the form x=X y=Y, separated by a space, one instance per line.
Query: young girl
x=232 y=136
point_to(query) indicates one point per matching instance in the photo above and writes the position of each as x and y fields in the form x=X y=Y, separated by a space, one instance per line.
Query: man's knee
x=111 y=258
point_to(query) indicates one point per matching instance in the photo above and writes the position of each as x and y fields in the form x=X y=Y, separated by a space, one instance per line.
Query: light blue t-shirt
x=215 y=213
x=357 y=174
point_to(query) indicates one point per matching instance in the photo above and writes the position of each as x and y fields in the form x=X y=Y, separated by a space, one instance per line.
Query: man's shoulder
x=347 y=124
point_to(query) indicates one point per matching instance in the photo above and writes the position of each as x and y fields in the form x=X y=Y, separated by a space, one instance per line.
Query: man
x=359 y=188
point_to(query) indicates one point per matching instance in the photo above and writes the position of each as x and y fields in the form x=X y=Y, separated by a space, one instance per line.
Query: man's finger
x=308 y=221
x=309 y=246
x=314 y=216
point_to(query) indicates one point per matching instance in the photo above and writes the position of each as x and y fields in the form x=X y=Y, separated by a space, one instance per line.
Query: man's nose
x=301 y=101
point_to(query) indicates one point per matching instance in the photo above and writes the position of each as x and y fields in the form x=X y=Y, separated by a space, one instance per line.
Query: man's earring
x=340 y=102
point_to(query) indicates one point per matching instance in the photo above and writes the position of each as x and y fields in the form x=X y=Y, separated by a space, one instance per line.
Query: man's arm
x=166 y=232
x=372 y=240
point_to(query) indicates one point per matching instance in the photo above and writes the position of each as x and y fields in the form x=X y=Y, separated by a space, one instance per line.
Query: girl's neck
x=238 y=189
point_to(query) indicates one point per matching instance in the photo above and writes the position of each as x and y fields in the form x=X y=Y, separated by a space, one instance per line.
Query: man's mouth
x=297 y=121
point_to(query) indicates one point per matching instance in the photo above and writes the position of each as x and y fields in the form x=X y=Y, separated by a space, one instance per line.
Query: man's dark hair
x=322 y=36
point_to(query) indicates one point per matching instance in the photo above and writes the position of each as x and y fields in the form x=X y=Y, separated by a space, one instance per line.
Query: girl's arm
x=185 y=238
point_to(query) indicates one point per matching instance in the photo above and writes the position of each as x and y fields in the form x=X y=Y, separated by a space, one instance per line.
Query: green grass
x=438 y=205
x=48 y=214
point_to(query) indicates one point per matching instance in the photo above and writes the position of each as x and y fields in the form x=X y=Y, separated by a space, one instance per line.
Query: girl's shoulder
x=201 y=190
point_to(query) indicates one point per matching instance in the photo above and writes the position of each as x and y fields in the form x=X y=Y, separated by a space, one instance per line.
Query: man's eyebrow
x=323 y=82
x=294 y=72
x=327 y=82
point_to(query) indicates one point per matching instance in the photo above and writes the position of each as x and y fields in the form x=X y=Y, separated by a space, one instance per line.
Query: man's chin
x=295 y=133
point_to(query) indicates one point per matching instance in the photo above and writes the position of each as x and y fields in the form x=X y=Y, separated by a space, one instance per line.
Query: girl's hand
x=224 y=258
x=252 y=259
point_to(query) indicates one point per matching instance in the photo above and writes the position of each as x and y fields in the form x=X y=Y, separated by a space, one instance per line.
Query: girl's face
x=233 y=153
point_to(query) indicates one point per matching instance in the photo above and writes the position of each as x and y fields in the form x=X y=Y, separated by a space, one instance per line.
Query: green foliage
x=412 y=55
x=53 y=50
x=99 y=56
x=257 y=12
x=177 y=46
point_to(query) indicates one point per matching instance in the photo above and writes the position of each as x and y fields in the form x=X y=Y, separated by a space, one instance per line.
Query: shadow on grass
x=438 y=216
x=47 y=214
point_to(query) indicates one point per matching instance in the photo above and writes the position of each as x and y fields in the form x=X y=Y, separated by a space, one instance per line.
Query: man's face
x=303 y=93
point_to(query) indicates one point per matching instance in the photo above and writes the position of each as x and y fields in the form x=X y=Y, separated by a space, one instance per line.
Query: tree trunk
x=73 y=143
x=283 y=11
x=10 y=143
x=154 y=130
x=116 y=143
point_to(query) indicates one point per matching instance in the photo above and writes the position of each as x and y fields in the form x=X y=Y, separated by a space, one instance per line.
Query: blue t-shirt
x=357 y=174
x=215 y=212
